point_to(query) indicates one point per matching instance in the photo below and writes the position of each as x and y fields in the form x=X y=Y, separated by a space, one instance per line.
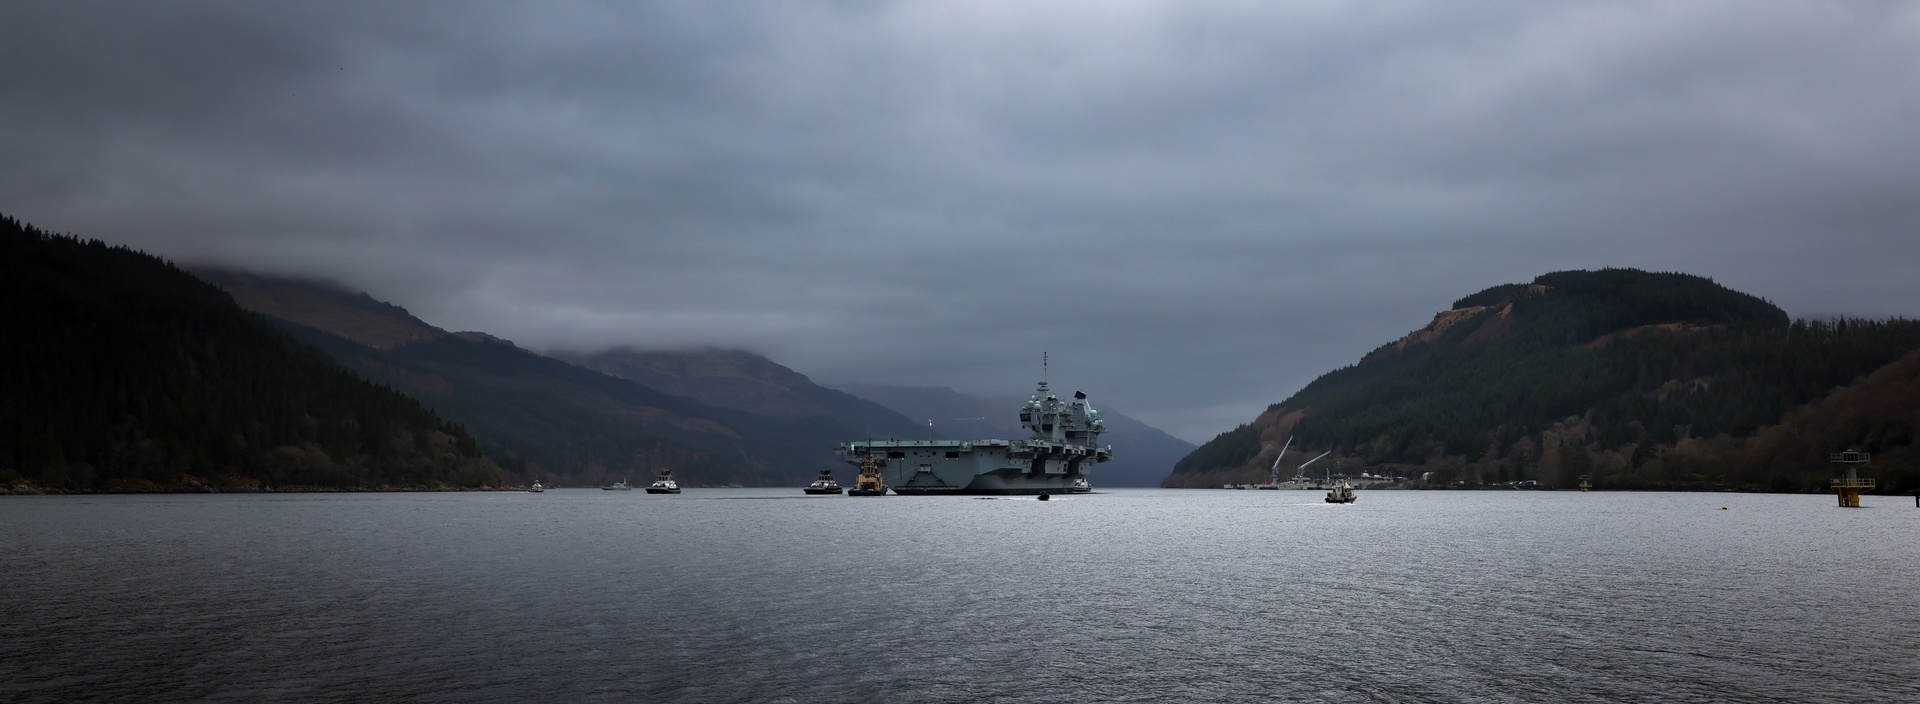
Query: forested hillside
x=746 y=381
x=119 y=371
x=1878 y=415
x=548 y=419
x=1572 y=374
x=542 y=417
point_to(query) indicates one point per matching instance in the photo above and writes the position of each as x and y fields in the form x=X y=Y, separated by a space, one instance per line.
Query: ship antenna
x=1043 y=366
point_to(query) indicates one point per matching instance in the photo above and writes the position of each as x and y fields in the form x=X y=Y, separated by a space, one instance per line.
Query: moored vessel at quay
x=1062 y=448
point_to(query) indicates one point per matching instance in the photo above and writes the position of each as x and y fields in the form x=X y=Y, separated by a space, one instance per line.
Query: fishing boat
x=536 y=488
x=824 y=485
x=665 y=484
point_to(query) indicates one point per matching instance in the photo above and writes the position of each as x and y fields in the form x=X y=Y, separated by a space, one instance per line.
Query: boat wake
x=1053 y=497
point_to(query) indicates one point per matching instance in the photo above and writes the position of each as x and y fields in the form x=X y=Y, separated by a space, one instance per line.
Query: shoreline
x=32 y=490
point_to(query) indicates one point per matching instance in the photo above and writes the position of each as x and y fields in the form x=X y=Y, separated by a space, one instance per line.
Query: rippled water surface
x=755 y=595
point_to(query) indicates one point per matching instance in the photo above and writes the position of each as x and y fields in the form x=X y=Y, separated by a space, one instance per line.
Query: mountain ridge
x=1595 y=363
x=323 y=305
x=743 y=380
x=730 y=399
x=122 y=372
x=569 y=425
x=554 y=418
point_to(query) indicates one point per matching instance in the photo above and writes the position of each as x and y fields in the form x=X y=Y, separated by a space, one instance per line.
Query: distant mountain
x=1577 y=372
x=746 y=381
x=323 y=305
x=1143 y=455
x=121 y=372
x=545 y=418
x=540 y=417
x=954 y=414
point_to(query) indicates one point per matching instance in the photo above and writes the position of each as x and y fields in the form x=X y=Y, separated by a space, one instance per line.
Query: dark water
x=766 y=596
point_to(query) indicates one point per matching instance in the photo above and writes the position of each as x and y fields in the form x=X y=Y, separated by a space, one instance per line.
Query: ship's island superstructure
x=1063 y=446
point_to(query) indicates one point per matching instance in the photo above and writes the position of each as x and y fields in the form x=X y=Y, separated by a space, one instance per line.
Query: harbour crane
x=1273 y=473
x=1300 y=474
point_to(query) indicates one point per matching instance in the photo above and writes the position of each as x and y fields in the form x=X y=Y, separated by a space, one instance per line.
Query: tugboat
x=1342 y=494
x=617 y=486
x=869 y=483
x=665 y=484
x=536 y=488
x=824 y=485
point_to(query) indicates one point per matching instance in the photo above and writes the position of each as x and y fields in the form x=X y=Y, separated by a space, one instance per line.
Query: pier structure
x=1849 y=487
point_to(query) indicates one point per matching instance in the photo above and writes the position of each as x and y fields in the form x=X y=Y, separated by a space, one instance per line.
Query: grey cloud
x=1195 y=207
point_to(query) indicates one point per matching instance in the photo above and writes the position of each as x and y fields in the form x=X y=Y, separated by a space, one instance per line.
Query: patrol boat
x=1063 y=446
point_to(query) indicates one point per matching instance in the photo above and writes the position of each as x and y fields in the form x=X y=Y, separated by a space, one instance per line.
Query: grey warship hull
x=1061 y=452
x=988 y=467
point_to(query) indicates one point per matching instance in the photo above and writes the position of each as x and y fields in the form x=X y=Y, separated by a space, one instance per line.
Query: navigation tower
x=1848 y=487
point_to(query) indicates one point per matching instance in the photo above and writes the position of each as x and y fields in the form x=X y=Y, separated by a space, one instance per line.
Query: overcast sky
x=1195 y=207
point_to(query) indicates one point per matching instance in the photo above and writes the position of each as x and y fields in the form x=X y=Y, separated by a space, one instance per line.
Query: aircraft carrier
x=1064 y=445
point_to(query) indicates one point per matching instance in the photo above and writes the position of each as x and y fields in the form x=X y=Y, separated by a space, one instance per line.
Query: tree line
x=1614 y=362
x=119 y=370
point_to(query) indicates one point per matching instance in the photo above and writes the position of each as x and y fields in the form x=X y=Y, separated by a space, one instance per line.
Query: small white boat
x=536 y=488
x=617 y=486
